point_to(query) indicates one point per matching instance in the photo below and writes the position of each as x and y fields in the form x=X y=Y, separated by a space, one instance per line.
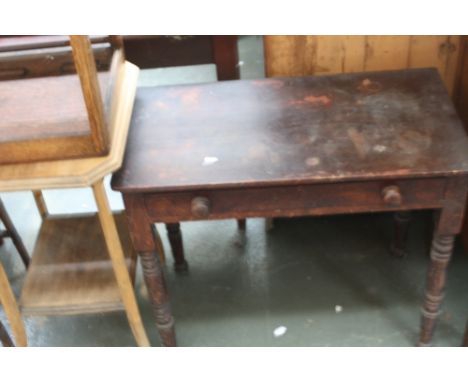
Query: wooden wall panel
x=386 y=52
x=315 y=55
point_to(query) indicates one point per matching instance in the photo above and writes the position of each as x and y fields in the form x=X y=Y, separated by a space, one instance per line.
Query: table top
x=302 y=130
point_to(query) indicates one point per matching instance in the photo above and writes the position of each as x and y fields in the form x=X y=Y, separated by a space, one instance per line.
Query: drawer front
x=322 y=199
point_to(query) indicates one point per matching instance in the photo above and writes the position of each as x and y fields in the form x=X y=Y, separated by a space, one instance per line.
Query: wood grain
x=117 y=255
x=348 y=143
x=80 y=172
x=11 y=232
x=8 y=301
x=86 y=70
x=295 y=200
x=70 y=272
x=301 y=130
x=40 y=203
x=312 y=55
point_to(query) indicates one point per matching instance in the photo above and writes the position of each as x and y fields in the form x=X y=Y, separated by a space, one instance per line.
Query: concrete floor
x=328 y=281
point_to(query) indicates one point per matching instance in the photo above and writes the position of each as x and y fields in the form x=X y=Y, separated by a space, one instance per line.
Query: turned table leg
x=441 y=251
x=142 y=232
x=13 y=234
x=398 y=247
x=119 y=265
x=156 y=285
x=448 y=223
x=175 y=239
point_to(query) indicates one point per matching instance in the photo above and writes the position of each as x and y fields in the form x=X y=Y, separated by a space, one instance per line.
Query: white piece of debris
x=379 y=148
x=338 y=308
x=207 y=161
x=280 y=331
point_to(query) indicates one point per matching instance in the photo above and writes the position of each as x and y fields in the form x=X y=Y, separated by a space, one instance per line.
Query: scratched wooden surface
x=293 y=131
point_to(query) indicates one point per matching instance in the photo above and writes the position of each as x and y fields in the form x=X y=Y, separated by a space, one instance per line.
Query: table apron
x=296 y=200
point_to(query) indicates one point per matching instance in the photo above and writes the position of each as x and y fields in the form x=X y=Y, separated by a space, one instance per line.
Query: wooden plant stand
x=81 y=280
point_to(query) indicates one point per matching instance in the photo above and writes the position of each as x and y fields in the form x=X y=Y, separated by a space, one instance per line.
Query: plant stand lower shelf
x=57 y=281
x=70 y=271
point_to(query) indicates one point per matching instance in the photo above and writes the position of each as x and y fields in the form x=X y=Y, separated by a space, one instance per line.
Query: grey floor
x=326 y=281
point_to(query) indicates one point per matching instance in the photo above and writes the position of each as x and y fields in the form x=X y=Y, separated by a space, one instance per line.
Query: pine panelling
x=314 y=55
x=426 y=49
x=386 y=52
x=454 y=57
x=354 y=50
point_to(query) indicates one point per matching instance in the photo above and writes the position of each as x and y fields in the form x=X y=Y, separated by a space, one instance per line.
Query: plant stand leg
x=8 y=301
x=116 y=254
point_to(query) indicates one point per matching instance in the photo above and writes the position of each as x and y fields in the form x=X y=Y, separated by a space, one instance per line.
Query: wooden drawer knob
x=200 y=207
x=392 y=196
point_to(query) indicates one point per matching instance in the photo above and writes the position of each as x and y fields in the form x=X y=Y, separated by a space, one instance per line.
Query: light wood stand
x=85 y=281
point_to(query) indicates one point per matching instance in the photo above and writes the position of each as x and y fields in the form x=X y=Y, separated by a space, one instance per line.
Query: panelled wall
x=315 y=55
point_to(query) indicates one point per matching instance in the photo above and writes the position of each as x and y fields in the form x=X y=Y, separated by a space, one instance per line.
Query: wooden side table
x=110 y=278
x=349 y=143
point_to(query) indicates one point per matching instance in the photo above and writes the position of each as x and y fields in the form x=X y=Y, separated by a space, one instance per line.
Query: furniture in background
x=39 y=56
x=70 y=272
x=166 y=51
x=7 y=299
x=11 y=232
x=5 y=337
x=12 y=312
x=379 y=141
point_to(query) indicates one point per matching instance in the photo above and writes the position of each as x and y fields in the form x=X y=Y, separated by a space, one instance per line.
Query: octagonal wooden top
x=80 y=172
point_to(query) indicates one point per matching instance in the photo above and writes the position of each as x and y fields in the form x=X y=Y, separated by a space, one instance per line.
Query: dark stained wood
x=461 y=103
x=4 y=337
x=175 y=239
x=441 y=251
x=156 y=285
x=166 y=51
x=142 y=234
x=398 y=247
x=11 y=232
x=381 y=141
x=16 y=43
x=38 y=56
x=465 y=337
x=293 y=131
x=242 y=224
x=226 y=57
x=294 y=200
